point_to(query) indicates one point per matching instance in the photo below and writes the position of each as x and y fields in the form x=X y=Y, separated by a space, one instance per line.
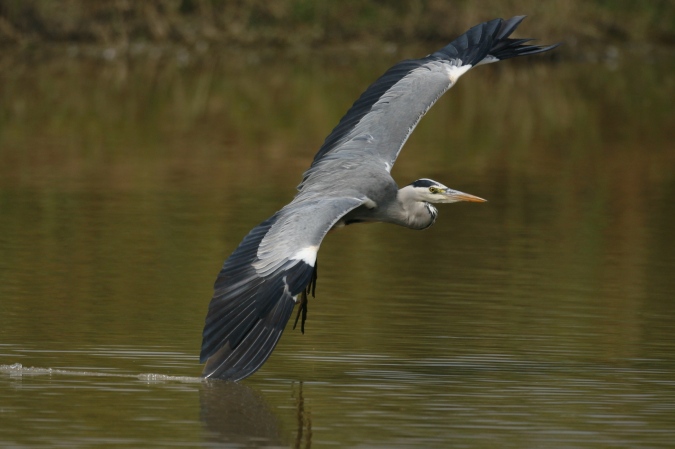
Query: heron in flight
x=274 y=268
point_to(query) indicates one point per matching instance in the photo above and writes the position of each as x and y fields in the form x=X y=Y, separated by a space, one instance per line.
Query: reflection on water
x=237 y=414
x=475 y=401
x=544 y=317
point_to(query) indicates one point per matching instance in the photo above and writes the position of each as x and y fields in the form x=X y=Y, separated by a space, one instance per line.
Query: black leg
x=303 y=308
x=311 y=288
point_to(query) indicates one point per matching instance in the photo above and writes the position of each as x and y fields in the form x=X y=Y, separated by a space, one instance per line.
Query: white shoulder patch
x=454 y=72
x=307 y=255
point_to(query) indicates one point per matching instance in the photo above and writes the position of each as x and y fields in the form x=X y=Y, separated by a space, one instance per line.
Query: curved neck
x=413 y=212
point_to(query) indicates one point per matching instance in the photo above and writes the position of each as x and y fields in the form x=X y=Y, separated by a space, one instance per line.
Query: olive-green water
x=542 y=318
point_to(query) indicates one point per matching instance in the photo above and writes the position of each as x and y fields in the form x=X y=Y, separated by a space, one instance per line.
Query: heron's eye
x=434 y=189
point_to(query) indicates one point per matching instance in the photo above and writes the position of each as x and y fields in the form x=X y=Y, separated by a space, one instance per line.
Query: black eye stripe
x=424 y=183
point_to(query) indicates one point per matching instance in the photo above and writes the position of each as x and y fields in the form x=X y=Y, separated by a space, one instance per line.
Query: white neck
x=413 y=212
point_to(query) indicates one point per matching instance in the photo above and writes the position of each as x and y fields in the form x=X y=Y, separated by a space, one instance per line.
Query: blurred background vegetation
x=140 y=140
x=315 y=22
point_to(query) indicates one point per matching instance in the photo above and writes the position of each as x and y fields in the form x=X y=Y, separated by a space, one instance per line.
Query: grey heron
x=274 y=268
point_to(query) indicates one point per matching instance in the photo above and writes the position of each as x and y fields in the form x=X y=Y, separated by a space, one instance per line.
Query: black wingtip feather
x=507 y=27
x=490 y=39
x=242 y=361
x=247 y=313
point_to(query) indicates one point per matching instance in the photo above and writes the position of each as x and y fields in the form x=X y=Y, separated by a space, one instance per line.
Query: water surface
x=543 y=318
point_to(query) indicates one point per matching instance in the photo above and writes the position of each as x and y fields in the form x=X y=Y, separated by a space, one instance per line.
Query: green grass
x=314 y=22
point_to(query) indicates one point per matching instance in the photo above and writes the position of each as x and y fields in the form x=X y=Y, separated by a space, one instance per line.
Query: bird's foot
x=311 y=288
x=303 y=308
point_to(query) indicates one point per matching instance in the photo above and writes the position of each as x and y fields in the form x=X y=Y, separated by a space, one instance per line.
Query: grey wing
x=381 y=120
x=254 y=293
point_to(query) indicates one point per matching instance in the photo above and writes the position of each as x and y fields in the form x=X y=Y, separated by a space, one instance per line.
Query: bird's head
x=434 y=192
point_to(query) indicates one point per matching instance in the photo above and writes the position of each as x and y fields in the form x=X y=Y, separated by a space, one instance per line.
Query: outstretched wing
x=381 y=120
x=254 y=294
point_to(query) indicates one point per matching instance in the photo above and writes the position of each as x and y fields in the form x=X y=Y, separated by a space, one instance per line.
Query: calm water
x=543 y=318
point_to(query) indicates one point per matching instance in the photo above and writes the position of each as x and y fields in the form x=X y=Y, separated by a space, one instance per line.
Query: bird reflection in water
x=235 y=414
x=304 y=419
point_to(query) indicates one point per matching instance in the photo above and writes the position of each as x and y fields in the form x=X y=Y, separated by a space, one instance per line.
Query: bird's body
x=395 y=206
x=348 y=182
